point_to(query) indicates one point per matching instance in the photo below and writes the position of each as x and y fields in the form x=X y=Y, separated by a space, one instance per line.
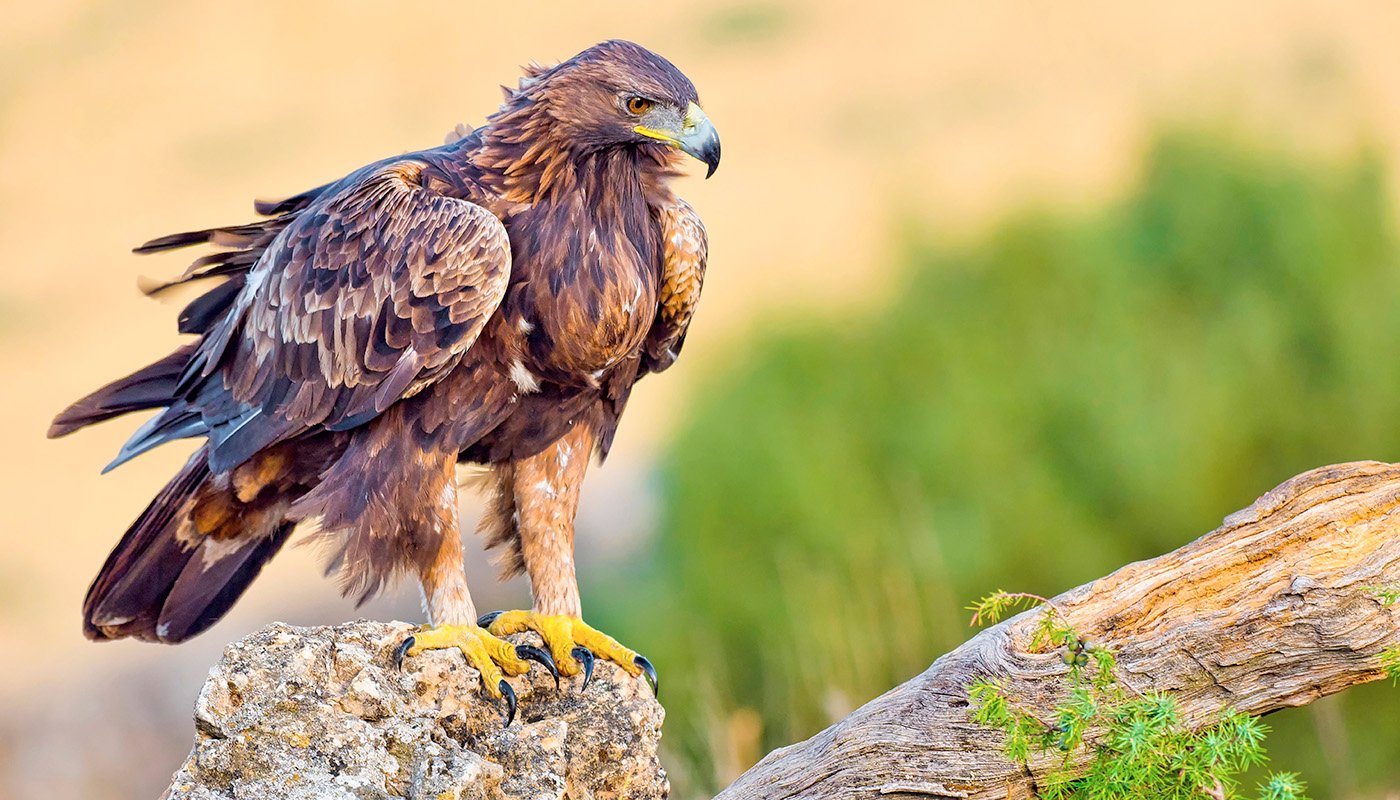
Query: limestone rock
x=322 y=714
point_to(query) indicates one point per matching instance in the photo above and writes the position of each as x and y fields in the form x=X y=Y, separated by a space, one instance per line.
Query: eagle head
x=617 y=94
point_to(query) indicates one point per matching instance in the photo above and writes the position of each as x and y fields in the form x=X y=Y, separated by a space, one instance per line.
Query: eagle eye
x=638 y=105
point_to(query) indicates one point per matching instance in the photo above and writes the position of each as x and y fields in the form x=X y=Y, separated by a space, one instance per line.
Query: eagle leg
x=573 y=643
x=450 y=611
x=534 y=507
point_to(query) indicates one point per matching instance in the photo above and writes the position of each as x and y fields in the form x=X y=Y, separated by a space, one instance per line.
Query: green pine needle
x=1139 y=745
x=1283 y=786
x=1390 y=662
x=1388 y=595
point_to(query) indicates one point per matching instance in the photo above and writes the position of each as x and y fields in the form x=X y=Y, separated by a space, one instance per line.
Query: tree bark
x=1275 y=608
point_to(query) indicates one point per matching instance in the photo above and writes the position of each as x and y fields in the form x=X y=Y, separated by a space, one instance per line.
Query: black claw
x=485 y=620
x=401 y=651
x=538 y=656
x=509 y=694
x=584 y=655
x=650 y=672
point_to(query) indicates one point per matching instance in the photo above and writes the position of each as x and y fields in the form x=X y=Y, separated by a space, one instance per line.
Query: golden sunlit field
x=845 y=125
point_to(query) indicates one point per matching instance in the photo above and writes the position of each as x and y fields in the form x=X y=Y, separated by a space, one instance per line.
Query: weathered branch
x=1274 y=608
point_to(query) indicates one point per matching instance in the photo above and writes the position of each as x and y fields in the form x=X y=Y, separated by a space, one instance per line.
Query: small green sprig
x=996 y=606
x=1283 y=786
x=1138 y=745
x=1390 y=662
x=1390 y=658
x=1388 y=595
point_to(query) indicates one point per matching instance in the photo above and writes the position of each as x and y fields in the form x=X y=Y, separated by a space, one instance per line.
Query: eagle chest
x=590 y=294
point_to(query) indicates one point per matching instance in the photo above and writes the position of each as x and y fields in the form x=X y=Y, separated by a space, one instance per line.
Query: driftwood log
x=1275 y=608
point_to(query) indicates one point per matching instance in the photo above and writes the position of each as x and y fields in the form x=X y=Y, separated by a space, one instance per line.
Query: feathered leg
x=446 y=598
x=452 y=615
x=536 y=501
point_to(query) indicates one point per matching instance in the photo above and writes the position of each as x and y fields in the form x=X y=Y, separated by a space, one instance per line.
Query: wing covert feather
x=364 y=300
x=684 y=255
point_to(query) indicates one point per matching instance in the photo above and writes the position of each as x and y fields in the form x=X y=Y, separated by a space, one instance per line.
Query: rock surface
x=322 y=713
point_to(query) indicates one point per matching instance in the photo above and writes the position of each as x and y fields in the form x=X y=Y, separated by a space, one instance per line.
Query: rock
x=322 y=714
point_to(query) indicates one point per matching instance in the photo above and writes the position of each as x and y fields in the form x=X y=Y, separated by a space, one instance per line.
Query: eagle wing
x=685 y=249
x=370 y=295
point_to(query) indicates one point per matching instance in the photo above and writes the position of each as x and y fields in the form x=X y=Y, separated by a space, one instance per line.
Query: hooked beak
x=697 y=137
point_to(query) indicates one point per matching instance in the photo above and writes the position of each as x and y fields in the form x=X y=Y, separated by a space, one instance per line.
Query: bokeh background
x=1002 y=294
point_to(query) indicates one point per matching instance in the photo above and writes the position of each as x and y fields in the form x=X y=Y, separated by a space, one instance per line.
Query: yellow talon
x=493 y=657
x=489 y=655
x=562 y=633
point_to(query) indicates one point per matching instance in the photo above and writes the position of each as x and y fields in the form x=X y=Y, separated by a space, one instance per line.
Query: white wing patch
x=525 y=380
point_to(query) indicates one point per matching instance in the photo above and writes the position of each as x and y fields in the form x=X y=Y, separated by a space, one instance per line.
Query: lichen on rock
x=322 y=714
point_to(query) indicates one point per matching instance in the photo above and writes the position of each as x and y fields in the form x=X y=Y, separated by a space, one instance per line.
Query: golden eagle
x=489 y=301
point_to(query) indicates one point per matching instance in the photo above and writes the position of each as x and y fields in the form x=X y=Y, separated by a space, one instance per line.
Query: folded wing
x=684 y=253
x=373 y=292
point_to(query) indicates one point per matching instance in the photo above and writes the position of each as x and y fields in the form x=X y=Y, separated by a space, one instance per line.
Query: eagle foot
x=493 y=657
x=573 y=643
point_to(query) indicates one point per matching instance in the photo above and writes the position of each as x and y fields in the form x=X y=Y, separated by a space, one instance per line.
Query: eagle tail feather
x=160 y=586
x=208 y=587
x=126 y=597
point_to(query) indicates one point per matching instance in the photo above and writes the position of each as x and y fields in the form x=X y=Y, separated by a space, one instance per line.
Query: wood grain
x=1270 y=610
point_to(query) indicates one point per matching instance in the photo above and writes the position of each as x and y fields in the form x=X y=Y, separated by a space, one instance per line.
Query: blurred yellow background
x=844 y=123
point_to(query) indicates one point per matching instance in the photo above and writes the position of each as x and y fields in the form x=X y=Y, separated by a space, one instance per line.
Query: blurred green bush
x=1030 y=411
